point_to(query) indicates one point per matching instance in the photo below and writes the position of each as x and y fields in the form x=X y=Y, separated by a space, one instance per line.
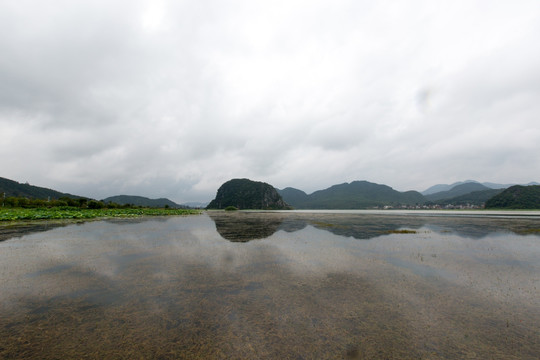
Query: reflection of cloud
x=315 y=244
x=309 y=276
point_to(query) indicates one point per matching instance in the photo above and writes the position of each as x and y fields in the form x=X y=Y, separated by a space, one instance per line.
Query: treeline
x=81 y=203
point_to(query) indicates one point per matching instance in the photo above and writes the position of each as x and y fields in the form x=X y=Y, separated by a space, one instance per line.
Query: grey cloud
x=173 y=98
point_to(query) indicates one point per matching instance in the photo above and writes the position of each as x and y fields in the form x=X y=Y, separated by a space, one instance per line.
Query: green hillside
x=14 y=189
x=516 y=197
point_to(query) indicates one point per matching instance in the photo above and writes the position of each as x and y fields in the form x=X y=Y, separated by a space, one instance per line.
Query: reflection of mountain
x=356 y=226
x=366 y=227
x=473 y=227
x=19 y=230
x=243 y=227
x=8 y=231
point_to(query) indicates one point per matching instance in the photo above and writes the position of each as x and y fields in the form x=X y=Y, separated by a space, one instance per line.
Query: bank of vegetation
x=21 y=208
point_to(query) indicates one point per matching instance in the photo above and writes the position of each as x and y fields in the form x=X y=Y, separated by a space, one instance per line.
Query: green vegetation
x=26 y=195
x=247 y=194
x=141 y=201
x=516 y=197
x=82 y=203
x=15 y=214
x=231 y=208
x=20 y=208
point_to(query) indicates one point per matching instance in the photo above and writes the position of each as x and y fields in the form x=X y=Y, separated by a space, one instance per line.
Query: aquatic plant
x=15 y=214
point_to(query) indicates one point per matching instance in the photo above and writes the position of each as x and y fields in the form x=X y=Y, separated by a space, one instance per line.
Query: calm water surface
x=273 y=285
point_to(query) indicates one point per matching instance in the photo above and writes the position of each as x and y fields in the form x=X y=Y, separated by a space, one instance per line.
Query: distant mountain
x=141 y=201
x=497 y=186
x=356 y=195
x=516 y=197
x=294 y=197
x=15 y=189
x=195 y=204
x=457 y=190
x=477 y=198
x=247 y=194
x=506 y=186
x=445 y=187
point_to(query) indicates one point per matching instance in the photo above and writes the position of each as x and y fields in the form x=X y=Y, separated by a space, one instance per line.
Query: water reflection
x=246 y=226
x=18 y=229
x=175 y=288
x=243 y=227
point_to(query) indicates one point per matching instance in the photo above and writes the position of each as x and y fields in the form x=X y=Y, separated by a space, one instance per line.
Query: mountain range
x=363 y=195
x=458 y=190
x=446 y=187
x=354 y=195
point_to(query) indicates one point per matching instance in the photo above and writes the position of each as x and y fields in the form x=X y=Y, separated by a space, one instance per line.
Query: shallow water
x=288 y=285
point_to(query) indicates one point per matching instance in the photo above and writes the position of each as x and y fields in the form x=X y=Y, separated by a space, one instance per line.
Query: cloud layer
x=167 y=98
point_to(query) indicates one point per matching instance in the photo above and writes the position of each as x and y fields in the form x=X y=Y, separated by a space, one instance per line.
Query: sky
x=173 y=98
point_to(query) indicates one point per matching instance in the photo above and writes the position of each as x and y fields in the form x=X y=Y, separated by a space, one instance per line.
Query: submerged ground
x=298 y=285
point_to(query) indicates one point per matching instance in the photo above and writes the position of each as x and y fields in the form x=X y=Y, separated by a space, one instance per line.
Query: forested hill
x=247 y=194
x=294 y=197
x=14 y=189
x=141 y=201
x=516 y=197
x=476 y=198
x=356 y=195
x=457 y=190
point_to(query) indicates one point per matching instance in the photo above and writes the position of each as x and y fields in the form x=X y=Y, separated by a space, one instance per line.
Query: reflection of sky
x=306 y=271
x=109 y=248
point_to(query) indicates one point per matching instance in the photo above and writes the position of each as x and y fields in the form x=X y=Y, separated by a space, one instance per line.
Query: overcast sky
x=173 y=98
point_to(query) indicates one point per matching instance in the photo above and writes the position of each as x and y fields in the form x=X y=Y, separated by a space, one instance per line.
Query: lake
x=274 y=285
